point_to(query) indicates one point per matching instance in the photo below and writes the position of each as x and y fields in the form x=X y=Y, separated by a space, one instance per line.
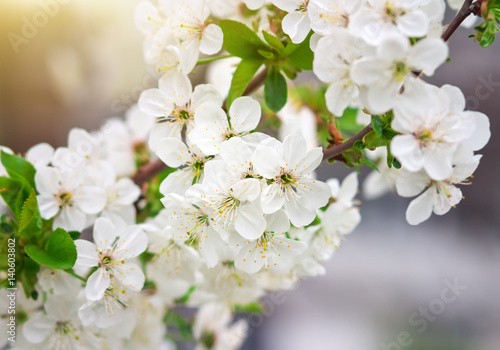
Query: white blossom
x=66 y=197
x=175 y=105
x=439 y=197
x=296 y=23
x=213 y=126
x=392 y=65
x=287 y=166
x=110 y=253
x=438 y=133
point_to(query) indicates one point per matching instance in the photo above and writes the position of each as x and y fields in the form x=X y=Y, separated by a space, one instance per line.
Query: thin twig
x=73 y=273
x=149 y=171
x=466 y=10
x=331 y=152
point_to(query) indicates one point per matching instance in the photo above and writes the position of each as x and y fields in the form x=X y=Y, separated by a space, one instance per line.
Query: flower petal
x=87 y=253
x=90 y=199
x=131 y=243
x=173 y=152
x=245 y=113
x=97 y=284
x=272 y=199
x=420 y=209
x=130 y=275
x=413 y=24
x=104 y=233
x=211 y=40
x=176 y=88
x=38 y=328
x=70 y=219
x=250 y=222
x=428 y=54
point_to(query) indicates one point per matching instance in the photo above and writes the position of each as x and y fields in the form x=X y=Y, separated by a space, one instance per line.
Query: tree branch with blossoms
x=469 y=7
x=231 y=208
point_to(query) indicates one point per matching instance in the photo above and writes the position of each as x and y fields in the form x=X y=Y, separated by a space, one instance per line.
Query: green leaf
x=58 y=251
x=390 y=158
x=266 y=54
x=185 y=298
x=275 y=90
x=368 y=162
x=359 y=144
x=486 y=31
x=31 y=221
x=241 y=78
x=274 y=42
x=487 y=39
x=14 y=193
x=352 y=156
x=373 y=141
x=251 y=308
x=378 y=125
x=241 y=41
x=30 y=265
x=18 y=167
x=28 y=280
x=396 y=164
x=74 y=235
x=301 y=54
x=6 y=227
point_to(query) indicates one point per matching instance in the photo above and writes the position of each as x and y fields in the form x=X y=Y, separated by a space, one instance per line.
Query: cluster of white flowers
x=371 y=54
x=225 y=231
x=243 y=212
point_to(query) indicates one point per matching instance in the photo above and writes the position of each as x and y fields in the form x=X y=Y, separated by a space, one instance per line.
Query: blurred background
x=76 y=63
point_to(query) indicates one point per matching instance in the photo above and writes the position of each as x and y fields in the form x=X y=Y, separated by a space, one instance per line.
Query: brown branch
x=331 y=152
x=468 y=8
x=149 y=171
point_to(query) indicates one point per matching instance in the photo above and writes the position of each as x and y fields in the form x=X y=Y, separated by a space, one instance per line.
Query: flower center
x=228 y=204
x=425 y=135
x=199 y=221
x=197 y=167
x=265 y=241
x=65 y=200
x=183 y=114
x=180 y=115
x=107 y=261
x=66 y=327
x=401 y=70
x=303 y=6
x=392 y=12
x=228 y=134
